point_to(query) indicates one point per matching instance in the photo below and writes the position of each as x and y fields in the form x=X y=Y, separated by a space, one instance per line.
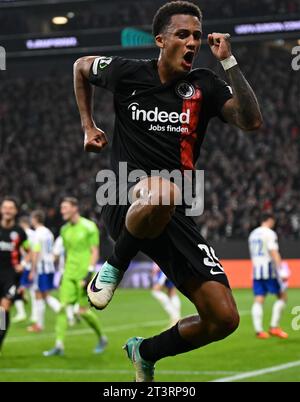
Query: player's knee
x=226 y=324
x=156 y=215
x=4 y=308
x=5 y=305
x=157 y=191
x=168 y=195
x=160 y=212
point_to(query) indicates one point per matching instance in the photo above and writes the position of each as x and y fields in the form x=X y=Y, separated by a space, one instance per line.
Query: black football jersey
x=11 y=239
x=158 y=126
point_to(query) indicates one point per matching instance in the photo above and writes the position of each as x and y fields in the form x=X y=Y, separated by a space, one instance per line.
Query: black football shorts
x=9 y=281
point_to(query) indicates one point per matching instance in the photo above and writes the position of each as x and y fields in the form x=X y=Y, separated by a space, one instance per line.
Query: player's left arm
x=36 y=250
x=94 y=240
x=26 y=253
x=95 y=254
x=242 y=110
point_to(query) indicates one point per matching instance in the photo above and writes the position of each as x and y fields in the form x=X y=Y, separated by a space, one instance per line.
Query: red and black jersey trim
x=189 y=131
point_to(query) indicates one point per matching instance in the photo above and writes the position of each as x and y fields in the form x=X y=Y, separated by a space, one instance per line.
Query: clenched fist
x=220 y=45
x=94 y=140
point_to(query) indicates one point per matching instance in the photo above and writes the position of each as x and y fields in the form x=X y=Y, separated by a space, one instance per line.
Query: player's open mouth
x=188 y=59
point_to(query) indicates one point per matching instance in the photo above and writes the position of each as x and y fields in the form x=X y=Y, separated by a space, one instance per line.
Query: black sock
x=168 y=343
x=126 y=248
x=3 y=324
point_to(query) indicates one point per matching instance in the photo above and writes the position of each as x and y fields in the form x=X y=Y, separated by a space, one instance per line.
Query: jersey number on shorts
x=211 y=260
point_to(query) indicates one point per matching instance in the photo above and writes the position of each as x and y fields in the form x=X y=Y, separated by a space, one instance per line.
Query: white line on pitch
x=108 y=371
x=76 y=332
x=257 y=373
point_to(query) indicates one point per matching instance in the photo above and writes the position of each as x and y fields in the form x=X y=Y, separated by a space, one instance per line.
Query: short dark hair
x=163 y=15
x=39 y=215
x=266 y=216
x=11 y=198
x=71 y=200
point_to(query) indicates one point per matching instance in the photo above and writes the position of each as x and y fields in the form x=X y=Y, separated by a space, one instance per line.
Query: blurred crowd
x=246 y=173
x=42 y=158
x=104 y=14
x=41 y=145
x=141 y=13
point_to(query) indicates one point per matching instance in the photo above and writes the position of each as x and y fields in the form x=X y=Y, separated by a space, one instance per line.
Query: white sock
x=175 y=300
x=165 y=302
x=20 y=307
x=33 y=306
x=70 y=314
x=53 y=303
x=59 y=344
x=278 y=307
x=40 y=309
x=76 y=308
x=257 y=316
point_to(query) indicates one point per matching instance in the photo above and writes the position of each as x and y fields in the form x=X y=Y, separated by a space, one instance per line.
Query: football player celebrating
x=163 y=107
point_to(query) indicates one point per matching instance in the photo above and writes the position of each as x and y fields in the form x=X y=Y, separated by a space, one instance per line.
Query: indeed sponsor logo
x=155 y=115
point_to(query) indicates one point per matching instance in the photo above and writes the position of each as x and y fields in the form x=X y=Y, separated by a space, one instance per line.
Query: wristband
x=229 y=62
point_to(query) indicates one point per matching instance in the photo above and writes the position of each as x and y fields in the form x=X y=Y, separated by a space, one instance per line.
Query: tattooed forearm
x=244 y=109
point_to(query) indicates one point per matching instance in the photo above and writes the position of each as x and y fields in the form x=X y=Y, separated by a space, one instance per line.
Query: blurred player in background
x=12 y=240
x=164 y=291
x=25 y=283
x=269 y=276
x=72 y=311
x=163 y=107
x=81 y=244
x=42 y=270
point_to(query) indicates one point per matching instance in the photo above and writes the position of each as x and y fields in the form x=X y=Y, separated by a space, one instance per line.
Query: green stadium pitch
x=241 y=357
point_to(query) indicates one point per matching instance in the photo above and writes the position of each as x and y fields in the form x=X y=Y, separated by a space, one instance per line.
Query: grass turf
x=135 y=312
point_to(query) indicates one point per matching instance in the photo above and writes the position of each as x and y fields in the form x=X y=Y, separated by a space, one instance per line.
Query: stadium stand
x=115 y=14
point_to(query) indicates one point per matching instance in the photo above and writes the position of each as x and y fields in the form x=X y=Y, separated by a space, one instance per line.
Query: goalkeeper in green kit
x=81 y=246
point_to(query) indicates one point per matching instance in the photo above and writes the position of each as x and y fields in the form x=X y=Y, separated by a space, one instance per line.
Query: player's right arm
x=34 y=261
x=58 y=249
x=273 y=249
x=276 y=257
x=94 y=138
